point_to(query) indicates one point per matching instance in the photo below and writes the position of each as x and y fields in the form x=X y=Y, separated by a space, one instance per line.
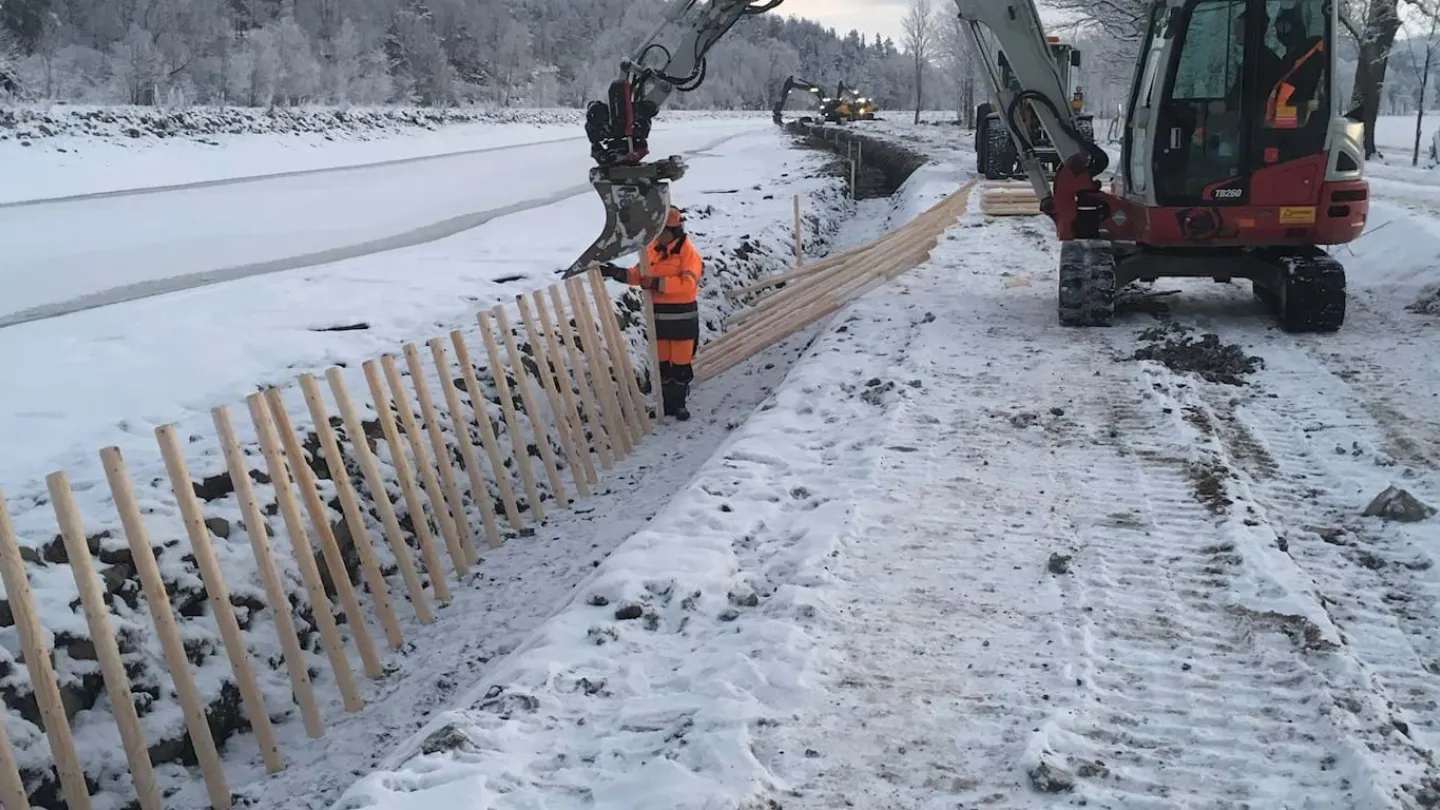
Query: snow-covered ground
x=937 y=552
x=964 y=557
x=111 y=375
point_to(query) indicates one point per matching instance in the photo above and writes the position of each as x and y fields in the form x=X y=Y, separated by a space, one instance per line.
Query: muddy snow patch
x=1173 y=346
x=1427 y=304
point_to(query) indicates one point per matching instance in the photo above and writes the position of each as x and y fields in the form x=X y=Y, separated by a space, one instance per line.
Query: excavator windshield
x=1235 y=90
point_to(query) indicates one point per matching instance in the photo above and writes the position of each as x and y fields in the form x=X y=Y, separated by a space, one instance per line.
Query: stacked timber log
x=818 y=290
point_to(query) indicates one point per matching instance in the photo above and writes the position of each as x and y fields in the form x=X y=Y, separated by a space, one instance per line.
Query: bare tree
x=919 y=35
x=1421 y=63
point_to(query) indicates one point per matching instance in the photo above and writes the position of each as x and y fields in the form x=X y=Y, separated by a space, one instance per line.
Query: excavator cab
x=1235 y=161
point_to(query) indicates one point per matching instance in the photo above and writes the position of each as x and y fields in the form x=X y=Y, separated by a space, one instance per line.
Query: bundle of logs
x=815 y=291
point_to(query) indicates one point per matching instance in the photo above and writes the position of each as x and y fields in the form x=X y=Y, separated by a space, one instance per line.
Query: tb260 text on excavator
x=1235 y=162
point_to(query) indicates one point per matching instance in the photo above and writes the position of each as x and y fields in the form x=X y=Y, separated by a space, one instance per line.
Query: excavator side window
x=1198 y=145
x=1293 y=93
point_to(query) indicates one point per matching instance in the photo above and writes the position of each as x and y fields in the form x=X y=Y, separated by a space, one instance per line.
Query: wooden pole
x=619 y=351
x=12 y=789
x=219 y=596
x=379 y=494
x=418 y=519
x=604 y=444
x=37 y=661
x=304 y=554
x=532 y=409
x=450 y=518
x=176 y=662
x=562 y=385
x=102 y=637
x=654 y=346
x=320 y=521
x=599 y=370
x=463 y=555
x=480 y=406
x=563 y=424
x=799 y=237
x=350 y=508
x=255 y=529
x=518 y=447
x=479 y=492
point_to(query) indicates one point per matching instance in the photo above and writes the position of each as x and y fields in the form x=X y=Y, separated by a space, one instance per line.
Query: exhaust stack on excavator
x=636 y=194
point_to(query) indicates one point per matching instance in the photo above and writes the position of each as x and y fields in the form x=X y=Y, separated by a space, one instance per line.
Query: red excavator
x=1234 y=163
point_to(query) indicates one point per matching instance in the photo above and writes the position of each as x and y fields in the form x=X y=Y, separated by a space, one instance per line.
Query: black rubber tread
x=1087 y=283
x=982 y=129
x=1001 y=156
x=1312 y=293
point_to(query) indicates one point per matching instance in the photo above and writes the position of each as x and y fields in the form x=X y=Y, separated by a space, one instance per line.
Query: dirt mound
x=1173 y=346
x=1427 y=304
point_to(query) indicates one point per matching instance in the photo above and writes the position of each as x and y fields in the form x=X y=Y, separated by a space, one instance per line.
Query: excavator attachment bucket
x=636 y=199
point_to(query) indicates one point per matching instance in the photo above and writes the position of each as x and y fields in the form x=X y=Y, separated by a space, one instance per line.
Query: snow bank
x=746 y=233
x=65 y=151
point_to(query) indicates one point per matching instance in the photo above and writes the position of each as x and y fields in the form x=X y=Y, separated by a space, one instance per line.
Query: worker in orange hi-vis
x=675 y=269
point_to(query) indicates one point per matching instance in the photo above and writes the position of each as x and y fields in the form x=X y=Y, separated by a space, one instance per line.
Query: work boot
x=673 y=393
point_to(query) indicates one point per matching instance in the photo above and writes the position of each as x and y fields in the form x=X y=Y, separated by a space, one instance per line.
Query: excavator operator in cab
x=675 y=269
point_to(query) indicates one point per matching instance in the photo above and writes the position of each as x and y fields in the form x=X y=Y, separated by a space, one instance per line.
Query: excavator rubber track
x=1307 y=290
x=1087 y=282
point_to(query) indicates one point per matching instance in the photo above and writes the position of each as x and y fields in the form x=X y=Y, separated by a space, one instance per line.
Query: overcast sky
x=872 y=16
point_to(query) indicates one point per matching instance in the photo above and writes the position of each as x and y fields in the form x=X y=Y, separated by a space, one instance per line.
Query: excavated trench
x=883 y=166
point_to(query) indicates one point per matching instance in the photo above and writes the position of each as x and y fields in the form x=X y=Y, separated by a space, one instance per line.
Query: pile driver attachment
x=636 y=194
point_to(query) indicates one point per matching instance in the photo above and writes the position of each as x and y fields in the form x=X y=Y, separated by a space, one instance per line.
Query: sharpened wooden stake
x=320 y=521
x=564 y=427
x=480 y=406
x=37 y=661
x=12 y=789
x=479 y=492
x=799 y=236
x=619 y=351
x=350 y=508
x=463 y=555
x=507 y=406
x=379 y=495
x=418 y=519
x=304 y=554
x=561 y=383
x=451 y=518
x=532 y=409
x=656 y=382
x=142 y=555
x=599 y=370
x=255 y=529
x=604 y=445
x=102 y=637
x=219 y=596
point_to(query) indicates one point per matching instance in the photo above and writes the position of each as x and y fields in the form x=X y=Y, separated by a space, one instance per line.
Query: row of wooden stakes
x=610 y=407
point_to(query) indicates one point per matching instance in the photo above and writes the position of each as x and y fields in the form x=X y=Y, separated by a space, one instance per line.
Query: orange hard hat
x=674 y=219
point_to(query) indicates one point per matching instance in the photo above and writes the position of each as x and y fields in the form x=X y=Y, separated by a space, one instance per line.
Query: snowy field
x=936 y=553
x=963 y=557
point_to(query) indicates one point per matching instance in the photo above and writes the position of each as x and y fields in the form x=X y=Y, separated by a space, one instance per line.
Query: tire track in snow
x=969 y=672
x=1378 y=581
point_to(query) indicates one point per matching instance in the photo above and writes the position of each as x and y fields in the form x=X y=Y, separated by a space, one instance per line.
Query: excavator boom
x=636 y=194
x=1027 y=51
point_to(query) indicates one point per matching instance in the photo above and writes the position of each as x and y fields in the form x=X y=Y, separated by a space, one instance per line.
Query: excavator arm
x=1016 y=26
x=790 y=84
x=636 y=194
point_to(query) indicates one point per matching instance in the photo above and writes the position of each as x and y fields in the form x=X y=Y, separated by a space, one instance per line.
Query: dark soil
x=1172 y=345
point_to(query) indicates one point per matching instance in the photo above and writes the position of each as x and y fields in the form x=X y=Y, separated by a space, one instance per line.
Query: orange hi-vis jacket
x=678 y=268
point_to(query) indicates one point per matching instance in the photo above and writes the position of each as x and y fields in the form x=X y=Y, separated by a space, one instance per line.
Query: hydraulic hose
x=1099 y=160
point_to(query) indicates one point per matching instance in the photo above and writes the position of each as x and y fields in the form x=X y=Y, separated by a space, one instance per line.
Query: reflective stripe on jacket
x=678 y=267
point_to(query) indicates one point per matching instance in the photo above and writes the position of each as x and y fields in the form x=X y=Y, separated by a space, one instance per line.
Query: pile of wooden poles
x=820 y=289
x=1009 y=198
